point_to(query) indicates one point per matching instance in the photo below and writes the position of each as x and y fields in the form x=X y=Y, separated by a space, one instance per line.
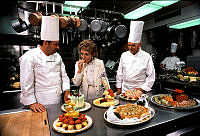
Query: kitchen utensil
x=120 y=31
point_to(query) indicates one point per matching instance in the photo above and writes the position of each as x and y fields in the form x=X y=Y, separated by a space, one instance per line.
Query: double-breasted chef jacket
x=170 y=62
x=42 y=78
x=135 y=71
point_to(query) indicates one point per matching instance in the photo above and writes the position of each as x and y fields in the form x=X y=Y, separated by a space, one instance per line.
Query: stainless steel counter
x=164 y=121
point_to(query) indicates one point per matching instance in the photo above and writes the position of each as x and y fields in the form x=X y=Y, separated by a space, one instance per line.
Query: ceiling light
x=142 y=11
x=148 y=9
x=76 y=4
x=186 y=24
x=164 y=3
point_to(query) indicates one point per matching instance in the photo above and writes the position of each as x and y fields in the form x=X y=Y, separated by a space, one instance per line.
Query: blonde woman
x=90 y=72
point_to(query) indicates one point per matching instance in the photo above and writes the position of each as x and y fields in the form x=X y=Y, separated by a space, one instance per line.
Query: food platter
x=150 y=116
x=62 y=130
x=87 y=106
x=113 y=103
x=153 y=100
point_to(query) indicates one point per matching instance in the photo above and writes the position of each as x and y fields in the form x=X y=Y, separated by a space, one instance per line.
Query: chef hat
x=135 y=34
x=50 y=28
x=173 y=47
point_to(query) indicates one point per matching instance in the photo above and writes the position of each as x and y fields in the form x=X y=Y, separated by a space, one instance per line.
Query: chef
x=136 y=69
x=169 y=63
x=42 y=72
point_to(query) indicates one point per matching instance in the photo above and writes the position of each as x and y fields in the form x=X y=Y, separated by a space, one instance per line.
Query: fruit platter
x=107 y=100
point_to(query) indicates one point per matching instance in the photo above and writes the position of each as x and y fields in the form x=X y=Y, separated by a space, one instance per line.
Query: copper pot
x=72 y=22
x=64 y=21
x=35 y=18
x=78 y=21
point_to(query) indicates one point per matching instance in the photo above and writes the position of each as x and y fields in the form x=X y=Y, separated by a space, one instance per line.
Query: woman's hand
x=37 y=107
x=80 y=65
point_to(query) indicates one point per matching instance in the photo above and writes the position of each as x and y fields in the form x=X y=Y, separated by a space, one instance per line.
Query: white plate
x=151 y=115
x=62 y=130
x=115 y=101
x=87 y=106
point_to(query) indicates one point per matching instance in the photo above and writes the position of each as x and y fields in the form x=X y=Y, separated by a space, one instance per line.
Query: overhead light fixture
x=76 y=4
x=186 y=24
x=148 y=9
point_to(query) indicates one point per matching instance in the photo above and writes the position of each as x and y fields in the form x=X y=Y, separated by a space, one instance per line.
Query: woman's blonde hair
x=88 y=45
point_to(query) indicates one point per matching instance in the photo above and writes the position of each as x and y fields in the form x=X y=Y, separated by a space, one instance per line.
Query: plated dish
x=166 y=100
x=134 y=118
x=102 y=102
x=59 y=127
x=87 y=106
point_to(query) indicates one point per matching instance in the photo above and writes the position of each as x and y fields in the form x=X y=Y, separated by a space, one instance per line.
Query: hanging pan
x=120 y=31
x=95 y=25
x=84 y=25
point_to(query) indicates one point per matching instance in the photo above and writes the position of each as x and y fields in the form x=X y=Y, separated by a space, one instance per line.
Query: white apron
x=48 y=95
x=48 y=82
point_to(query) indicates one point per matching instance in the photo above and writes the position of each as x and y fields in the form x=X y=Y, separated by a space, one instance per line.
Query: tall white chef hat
x=50 y=28
x=173 y=48
x=135 y=34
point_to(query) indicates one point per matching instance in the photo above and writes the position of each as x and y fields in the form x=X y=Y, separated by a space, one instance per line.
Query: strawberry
x=111 y=94
x=66 y=121
x=71 y=122
x=70 y=118
x=110 y=90
x=60 y=116
x=78 y=121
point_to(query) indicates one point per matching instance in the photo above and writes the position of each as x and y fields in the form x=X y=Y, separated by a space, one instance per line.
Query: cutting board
x=25 y=123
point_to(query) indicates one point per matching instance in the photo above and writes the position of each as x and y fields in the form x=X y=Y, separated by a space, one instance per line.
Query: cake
x=78 y=100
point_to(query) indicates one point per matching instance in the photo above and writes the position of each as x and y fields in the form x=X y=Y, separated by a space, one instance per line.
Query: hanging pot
x=84 y=25
x=72 y=22
x=120 y=31
x=95 y=25
x=104 y=26
x=64 y=21
x=78 y=21
x=35 y=18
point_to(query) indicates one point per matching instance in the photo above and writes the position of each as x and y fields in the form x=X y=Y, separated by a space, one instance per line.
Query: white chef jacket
x=135 y=71
x=170 y=62
x=42 y=78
